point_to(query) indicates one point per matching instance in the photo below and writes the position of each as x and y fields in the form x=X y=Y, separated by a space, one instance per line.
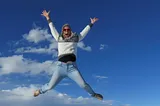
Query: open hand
x=45 y=14
x=93 y=20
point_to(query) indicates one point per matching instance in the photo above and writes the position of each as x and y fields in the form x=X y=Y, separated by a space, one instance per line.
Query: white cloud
x=125 y=105
x=23 y=96
x=100 y=77
x=18 y=64
x=51 y=50
x=39 y=50
x=83 y=47
x=3 y=82
x=103 y=46
x=36 y=35
x=22 y=93
x=31 y=50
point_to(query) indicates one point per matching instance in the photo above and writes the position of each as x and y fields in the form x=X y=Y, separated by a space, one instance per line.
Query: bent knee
x=49 y=88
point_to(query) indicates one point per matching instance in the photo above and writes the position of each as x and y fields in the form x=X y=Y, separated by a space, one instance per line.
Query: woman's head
x=66 y=31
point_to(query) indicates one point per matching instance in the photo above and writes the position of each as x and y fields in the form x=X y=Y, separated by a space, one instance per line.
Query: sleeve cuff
x=49 y=21
x=90 y=24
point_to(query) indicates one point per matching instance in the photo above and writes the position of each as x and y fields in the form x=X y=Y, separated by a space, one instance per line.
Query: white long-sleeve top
x=69 y=45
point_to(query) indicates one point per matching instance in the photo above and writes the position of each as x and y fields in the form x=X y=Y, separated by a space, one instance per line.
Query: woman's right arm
x=54 y=32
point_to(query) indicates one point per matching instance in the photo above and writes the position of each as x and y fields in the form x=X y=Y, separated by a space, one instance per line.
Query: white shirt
x=69 y=45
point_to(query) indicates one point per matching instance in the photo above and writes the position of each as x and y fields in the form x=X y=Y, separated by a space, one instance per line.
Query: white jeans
x=66 y=70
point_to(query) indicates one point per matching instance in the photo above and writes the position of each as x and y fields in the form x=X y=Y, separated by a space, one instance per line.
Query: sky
x=119 y=57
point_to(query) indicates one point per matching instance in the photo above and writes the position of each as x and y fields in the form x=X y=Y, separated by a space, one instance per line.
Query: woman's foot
x=36 y=93
x=98 y=96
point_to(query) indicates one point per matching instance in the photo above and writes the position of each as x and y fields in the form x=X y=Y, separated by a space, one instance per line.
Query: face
x=66 y=32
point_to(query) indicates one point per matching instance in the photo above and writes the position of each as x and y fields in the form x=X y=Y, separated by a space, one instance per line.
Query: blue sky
x=119 y=57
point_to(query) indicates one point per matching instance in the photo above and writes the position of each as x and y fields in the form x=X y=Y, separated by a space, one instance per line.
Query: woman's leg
x=57 y=76
x=76 y=76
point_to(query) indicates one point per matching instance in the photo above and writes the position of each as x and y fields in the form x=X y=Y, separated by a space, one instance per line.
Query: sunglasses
x=66 y=29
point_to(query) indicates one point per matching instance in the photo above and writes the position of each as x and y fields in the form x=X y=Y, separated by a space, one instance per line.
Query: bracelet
x=90 y=24
x=49 y=20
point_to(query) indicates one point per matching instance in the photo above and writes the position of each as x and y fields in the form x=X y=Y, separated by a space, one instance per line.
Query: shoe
x=98 y=96
x=36 y=93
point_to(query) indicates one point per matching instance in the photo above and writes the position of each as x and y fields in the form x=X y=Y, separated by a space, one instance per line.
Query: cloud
x=23 y=96
x=37 y=35
x=83 y=47
x=125 y=105
x=19 y=64
x=22 y=93
x=101 y=77
x=3 y=82
x=51 y=50
x=98 y=77
x=32 y=50
x=103 y=46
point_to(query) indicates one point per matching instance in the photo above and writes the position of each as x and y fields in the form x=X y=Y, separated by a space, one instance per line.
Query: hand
x=45 y=14
x=93 y=20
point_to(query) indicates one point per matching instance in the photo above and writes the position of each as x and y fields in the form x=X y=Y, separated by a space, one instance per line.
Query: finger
x=44 y=11
x=49 y=11
x=96 y=19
